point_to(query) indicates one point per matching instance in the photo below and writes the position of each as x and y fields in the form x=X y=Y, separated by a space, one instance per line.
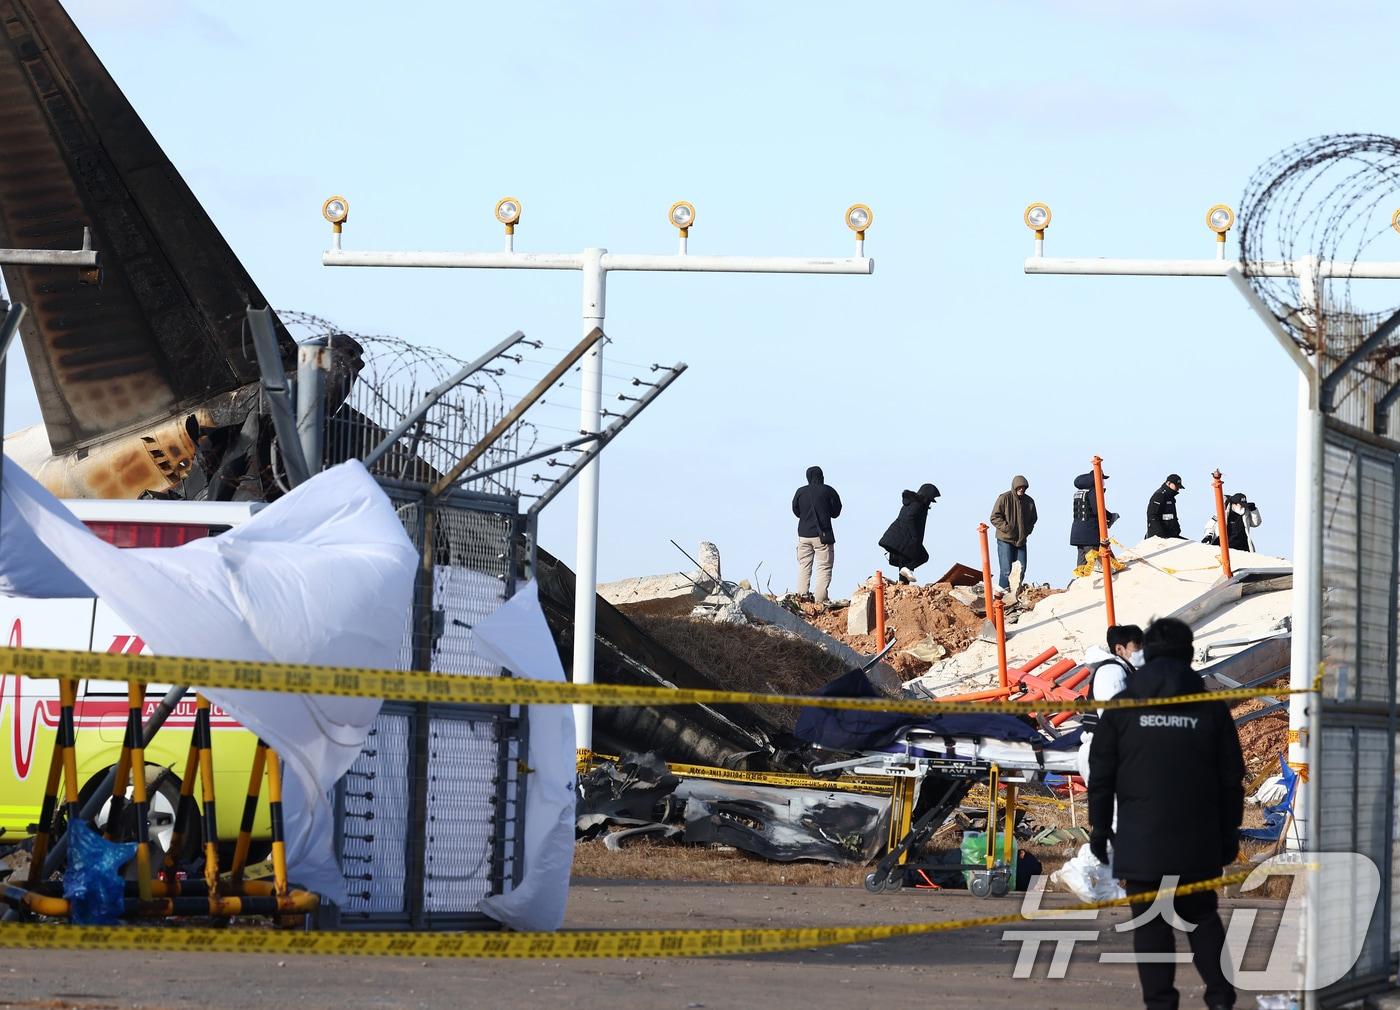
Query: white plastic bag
x=1087 y=878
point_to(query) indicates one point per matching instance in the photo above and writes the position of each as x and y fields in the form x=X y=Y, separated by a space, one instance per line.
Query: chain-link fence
x=1357 y=720
x=430 y=818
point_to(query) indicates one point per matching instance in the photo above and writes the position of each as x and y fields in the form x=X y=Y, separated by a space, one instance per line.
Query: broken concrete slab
x=860 y=616
x=1013 y=589
x=759 y=609
x=679 y=586
x=709 y=562
x=672 y=586
x=967 y=596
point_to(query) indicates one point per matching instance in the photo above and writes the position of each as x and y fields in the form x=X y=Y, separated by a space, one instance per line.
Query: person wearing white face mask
x=1111 y=667
x=1241 y=516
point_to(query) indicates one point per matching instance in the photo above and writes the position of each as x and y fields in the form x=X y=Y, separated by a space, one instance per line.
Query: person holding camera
x=815 y=504
x=1241 y=516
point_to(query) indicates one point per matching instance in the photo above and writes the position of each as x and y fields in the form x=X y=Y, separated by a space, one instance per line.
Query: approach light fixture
x=858 y=218
x=1220 y=219
x=336 y=210
x=1037 y=218
x=1395 y=220
x=682 y=216
x=508 y=213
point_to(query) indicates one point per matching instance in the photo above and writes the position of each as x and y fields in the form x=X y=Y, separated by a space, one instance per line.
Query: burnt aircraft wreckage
x=147 y=380
x=142 y=375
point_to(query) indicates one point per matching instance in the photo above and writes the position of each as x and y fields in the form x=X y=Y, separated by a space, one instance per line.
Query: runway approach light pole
x=595 y=264
x=1304 y=746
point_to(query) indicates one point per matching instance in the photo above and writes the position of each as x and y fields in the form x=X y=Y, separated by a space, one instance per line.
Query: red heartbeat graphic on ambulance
x=22 y=739
x=89 y=712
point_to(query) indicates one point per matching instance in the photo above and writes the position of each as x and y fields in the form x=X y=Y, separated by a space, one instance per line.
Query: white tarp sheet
x=323 y=575
x=517 y=637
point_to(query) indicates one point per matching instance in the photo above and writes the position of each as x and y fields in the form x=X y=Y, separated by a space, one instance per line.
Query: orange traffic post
x=1222 y=531
x=1105 y=555
x=879 y=611
x=986 y=568
x=1000 y=619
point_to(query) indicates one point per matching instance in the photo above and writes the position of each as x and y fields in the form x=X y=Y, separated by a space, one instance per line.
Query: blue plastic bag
x=93 y=882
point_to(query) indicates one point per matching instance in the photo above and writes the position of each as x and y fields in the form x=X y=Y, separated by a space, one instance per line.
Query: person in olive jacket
x=1176 y=773
x=1162 y=517
x=904 y=540
x=1013 y=517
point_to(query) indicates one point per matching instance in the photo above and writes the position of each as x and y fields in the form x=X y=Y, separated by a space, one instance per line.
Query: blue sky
x=947 y=365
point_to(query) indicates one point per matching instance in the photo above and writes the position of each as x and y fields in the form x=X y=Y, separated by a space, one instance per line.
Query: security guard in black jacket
x=1177 y=775
x=1162 y=520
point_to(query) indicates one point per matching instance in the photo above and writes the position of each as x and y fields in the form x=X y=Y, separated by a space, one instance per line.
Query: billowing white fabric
x=517 y=637
x=27 y=567
x=323 y=575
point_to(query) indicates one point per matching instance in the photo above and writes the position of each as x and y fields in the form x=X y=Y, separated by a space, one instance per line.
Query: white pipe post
x=595 y=280
x=1306 y=654
x=1307 y=570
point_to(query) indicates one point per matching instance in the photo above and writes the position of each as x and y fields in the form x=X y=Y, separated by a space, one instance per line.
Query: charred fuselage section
x=142 y=371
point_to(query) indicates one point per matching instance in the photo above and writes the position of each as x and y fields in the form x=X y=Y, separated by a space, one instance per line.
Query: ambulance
x=29 y=709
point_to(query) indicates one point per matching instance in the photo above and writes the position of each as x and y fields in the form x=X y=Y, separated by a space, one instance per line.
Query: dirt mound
x=916 y=614
x=1262 y=739
x=742 y=657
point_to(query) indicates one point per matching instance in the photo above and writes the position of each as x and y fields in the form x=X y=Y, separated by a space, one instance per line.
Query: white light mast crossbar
x=595 y=264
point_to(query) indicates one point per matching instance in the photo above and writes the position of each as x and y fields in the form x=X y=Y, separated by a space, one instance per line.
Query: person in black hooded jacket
x=904 y=540
x=1177 y=776
x=815 y=504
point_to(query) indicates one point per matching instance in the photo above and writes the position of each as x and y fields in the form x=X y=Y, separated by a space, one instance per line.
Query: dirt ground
x=964 y=970
x=916 y=614
x=1262 y=739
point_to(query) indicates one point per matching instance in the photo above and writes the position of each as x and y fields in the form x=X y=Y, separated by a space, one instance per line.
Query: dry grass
x=740 y=657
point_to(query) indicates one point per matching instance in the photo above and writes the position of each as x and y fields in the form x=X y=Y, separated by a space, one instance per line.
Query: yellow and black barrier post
x=206 y=783
x=250 y=812
x=136 y=763
x=279 y=834
x=185 y=811
x=47 y=810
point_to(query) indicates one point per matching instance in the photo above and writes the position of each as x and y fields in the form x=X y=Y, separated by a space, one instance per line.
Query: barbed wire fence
x=1329 y=198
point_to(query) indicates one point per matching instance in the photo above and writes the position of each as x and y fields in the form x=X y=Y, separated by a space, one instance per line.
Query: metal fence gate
x=1357 y=724
x=430 y=817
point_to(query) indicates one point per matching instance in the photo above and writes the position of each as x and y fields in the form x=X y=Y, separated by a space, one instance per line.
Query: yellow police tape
x=399 y=685
x=581 y=944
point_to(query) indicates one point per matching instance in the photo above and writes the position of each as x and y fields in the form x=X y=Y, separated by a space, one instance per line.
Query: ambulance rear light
x=152 y=534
